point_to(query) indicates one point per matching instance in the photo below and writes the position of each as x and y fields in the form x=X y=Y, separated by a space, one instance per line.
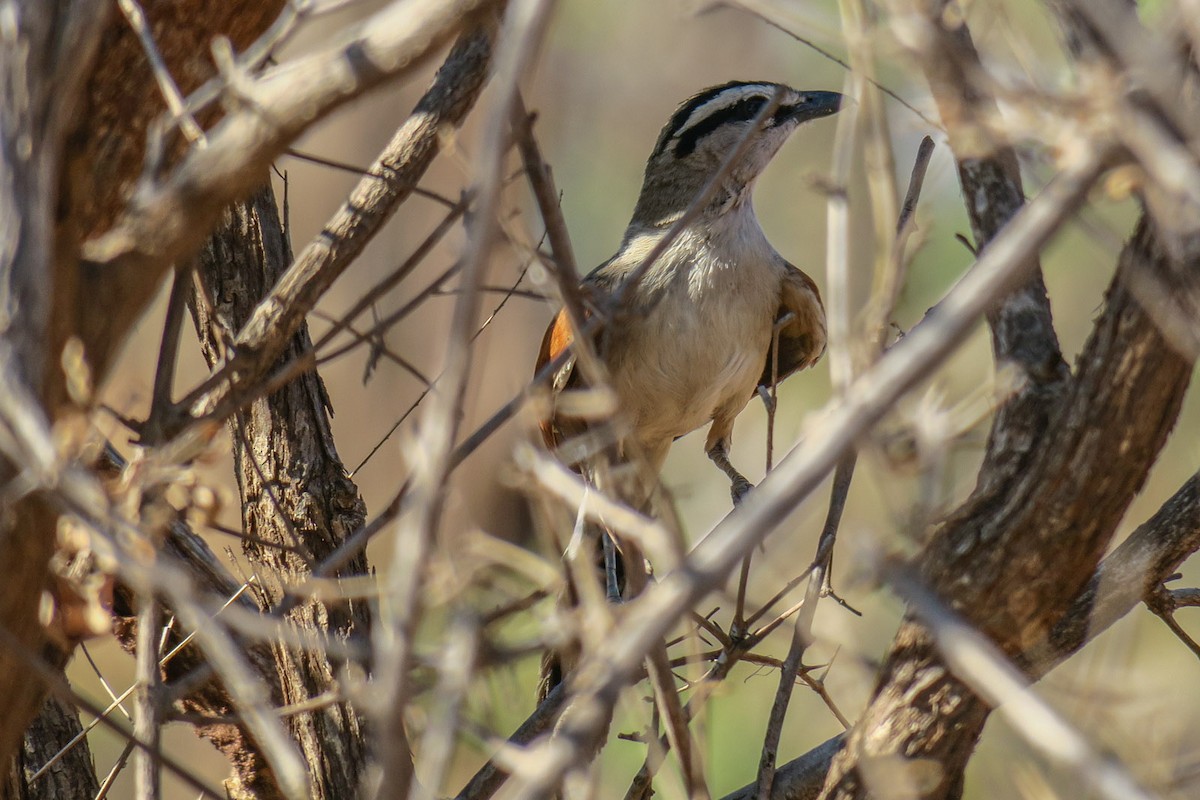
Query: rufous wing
x=555 y=343
x=802 y=334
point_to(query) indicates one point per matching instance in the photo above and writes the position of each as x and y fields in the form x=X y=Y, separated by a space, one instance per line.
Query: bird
x=689 y=338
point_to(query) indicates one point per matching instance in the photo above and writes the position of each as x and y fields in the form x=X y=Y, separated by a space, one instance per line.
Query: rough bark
x=294 y=489
x=73 y=777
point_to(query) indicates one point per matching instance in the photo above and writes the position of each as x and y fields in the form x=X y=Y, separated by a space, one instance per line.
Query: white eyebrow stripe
x=725 y=99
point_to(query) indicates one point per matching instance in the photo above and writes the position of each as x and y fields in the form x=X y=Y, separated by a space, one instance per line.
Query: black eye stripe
x=680 y=118
x=741 y=111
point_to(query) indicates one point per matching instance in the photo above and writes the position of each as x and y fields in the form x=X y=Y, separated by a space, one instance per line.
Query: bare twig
x=491 y=775
x=1141 y=563
x=369 y=205
x=890 y=279
x=401 y=606
x=166 y=84
x=820 y=573
x=148 y=718
x=167 y=219
x=1163 y=602
x=56 y=683
x=77 y=491
x=775 y=15
x=168 y=354
x=802 y=635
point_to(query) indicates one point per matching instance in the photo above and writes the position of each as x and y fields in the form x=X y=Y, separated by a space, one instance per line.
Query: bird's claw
x=739 y=489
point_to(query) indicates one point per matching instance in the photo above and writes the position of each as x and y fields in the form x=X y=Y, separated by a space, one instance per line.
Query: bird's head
x=707 y=127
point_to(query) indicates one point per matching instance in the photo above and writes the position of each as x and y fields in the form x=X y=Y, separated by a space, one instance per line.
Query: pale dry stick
x=1152 y=62
x=819 y=576
x=257 y=53
x=552 y=476
x=358 y=540
x=837 y=251
x=1169 y=162
x=822 y=564
x=1137 y=566
x=888 y=283
x=779 y=16
x=167 y=218
x=400 y=604
x=510 y=408
x=370 y=204
x=77 y=491
x=117 y=767
x=802 y=634
x=979 y=663
x=770 y=397
x=176 y=106
x=274 y=628
x=565 y=269
x=491 y=775
x=541 y=183
x=601 y=678
x=457 y=664
x=117 y=700
x=147 y=722
x=52 y=678
x=243 y=393
x=321 y=701
x=878 y=157
x=642 y=787
x=678 y=725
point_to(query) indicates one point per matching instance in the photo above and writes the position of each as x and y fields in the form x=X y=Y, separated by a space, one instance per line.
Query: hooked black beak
x=812 y=105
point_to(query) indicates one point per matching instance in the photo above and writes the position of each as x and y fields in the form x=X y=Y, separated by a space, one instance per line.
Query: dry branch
x=390 y=180
x=402 y=595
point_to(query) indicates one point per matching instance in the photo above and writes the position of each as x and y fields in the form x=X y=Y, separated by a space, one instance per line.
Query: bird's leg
x=718 y=453
x=612 y=566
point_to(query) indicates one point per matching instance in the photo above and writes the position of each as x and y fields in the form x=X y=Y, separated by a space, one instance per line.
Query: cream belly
x=682 y=373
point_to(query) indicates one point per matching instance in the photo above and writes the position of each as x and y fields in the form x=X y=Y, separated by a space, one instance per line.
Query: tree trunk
x=298 y=504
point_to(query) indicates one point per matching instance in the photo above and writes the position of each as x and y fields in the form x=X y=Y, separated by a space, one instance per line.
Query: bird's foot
x=764 y=394
x=739 y=488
